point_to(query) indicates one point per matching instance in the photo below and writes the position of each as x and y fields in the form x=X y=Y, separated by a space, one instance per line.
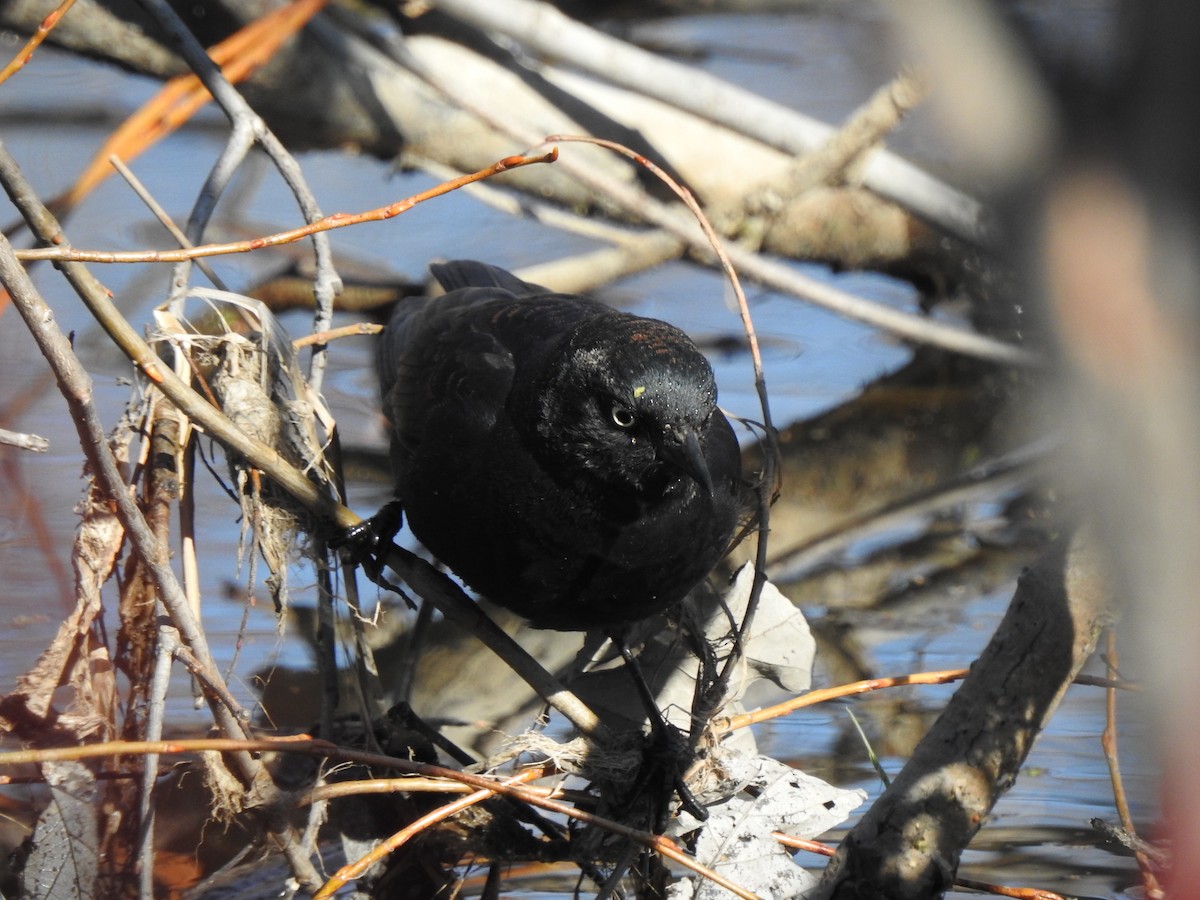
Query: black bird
x=566 y=460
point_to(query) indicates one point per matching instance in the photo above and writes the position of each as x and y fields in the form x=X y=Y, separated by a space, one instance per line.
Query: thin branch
x=324 y=337
x=163 y=217
x=43 y=31
x=823 y=695
x=1108 y=741
x=380 y=851
x=1001 y=890
x=335 y=220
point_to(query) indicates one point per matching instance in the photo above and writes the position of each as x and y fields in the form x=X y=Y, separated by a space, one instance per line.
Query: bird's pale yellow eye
x=622 y=416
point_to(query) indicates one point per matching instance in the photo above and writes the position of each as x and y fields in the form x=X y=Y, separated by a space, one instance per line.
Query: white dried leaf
x=780 y=646
x=750 y=798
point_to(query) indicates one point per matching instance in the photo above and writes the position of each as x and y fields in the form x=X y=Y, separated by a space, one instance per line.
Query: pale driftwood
x=442 y=66
x=908 y=844
x=816 y=209
x=544 y=29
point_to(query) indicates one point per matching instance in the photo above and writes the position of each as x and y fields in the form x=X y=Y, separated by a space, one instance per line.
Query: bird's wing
x=532 y=318
x=439 y=359
x=463 y=273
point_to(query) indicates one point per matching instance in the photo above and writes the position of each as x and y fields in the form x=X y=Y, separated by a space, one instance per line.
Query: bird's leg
x=664 y=736
x=367 y=542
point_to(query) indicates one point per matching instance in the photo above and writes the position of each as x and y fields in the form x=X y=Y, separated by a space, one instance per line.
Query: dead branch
x=908 y=844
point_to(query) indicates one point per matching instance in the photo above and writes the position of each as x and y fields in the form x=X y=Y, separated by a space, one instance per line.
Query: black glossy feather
x=565 y=459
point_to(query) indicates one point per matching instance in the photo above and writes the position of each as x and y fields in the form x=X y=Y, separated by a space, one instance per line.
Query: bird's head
x=625 y=400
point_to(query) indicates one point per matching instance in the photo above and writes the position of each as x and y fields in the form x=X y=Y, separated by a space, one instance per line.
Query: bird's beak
x=680 y=448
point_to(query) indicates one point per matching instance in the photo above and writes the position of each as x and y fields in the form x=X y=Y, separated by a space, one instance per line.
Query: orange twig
x=1001 y=890
x=723 y=726
x=43 y=30
x=324 y=337
x=409 y=784
x=336 y=220
x=812 y=698
x=354 y=870
x=803 y=844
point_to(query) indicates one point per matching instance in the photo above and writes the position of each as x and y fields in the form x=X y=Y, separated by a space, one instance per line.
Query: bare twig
x=336 y=220
x=1001 y=890
x=823 y=695
x=355 y=869
x=164 y=219
x=43 y=31
x=324 y=337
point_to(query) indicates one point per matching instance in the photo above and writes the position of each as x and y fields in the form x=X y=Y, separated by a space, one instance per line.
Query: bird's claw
x=366 y=543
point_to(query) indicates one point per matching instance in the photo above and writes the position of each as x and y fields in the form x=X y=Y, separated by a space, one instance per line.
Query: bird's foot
x=667 y=752
x=366 y=544
x=660 y=779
